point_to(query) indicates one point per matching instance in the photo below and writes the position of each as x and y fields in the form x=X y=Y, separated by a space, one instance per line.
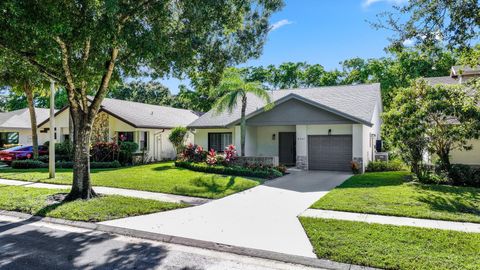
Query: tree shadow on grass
x=34 y=247
x=450 y=199
x=212 y=184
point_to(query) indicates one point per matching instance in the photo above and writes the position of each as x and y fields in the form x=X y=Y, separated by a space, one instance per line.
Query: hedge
x=268 y=173
x=35 y=164
x=385 y=166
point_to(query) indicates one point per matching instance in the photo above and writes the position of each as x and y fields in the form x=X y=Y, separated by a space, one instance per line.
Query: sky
x=322 y=32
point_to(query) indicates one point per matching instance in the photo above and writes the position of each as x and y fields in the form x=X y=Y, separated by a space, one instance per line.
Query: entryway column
x=302 y=155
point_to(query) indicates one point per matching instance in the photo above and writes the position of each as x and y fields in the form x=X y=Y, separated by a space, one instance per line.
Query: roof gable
x=294 y=110
x=355 y=102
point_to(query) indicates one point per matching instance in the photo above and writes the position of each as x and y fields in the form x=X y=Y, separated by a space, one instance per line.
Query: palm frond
x=226 y=102
x=257 y=89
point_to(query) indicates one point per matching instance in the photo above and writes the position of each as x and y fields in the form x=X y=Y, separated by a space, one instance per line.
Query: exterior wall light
x=273 y=137
x=329 y=132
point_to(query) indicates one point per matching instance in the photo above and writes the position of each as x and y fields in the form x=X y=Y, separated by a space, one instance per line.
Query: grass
x=158 y=177
x=392 y=247
x=388 y=193
x=35 y=201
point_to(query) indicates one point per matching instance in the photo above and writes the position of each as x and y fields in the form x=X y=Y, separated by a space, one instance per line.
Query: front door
x=287 y=148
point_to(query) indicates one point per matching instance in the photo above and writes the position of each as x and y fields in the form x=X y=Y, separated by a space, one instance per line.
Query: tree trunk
x=444 y=156
x=243 y=126
x=33 y=118
x=82 y=185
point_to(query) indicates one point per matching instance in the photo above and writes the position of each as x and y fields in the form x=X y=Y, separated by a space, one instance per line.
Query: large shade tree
x=86 y=44
x=234 y=89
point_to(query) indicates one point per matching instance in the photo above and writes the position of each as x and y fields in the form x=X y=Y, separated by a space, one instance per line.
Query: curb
x=251 y=252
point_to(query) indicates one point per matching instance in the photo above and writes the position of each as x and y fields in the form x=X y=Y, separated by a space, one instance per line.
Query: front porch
x=302 y=146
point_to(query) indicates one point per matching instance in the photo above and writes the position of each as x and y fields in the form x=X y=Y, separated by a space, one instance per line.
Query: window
x=125 y=136
x=144 y=140
x=8 y=138
x=218 y=141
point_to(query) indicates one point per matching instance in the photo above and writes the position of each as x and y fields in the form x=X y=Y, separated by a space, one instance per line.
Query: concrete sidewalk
x=392 y=220
x=116 y=191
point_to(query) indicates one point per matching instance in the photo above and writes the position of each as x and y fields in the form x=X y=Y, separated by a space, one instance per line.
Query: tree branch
x=68 y=73
x=102 y=90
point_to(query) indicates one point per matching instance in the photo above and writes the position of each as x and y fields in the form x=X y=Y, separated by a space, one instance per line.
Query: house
x=323 y=128
x=458 y=75
x=147 y=125
x=16 y=127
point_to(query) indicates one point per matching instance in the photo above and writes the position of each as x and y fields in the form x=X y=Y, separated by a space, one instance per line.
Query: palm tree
x=234 y=88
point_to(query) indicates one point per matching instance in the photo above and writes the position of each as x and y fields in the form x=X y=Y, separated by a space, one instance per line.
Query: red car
x=21 y=152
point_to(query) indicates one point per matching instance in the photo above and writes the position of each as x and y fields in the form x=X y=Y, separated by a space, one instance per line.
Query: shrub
x=268 y=173
x=64 y=150
x=384 y=166
x=281 y=168
x=355 y=166
x=126 y=152
x=211 y=157
x=28 y=164
x=230 y=153
x=464 y=175
x=105 y=151
x=177 y=137
x=193 y=153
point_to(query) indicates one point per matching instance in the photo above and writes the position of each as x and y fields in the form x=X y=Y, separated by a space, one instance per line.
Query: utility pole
x=51 y=146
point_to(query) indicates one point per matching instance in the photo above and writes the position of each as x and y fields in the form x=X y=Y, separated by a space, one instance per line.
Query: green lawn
x=388 y=193
x=34 y=201
x=157 y=177
x=392 y=247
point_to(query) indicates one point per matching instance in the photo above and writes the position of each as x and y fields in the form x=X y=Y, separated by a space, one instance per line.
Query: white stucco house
x=16 y=127
x=459 y=75
x=147 y=125
x=323 y=128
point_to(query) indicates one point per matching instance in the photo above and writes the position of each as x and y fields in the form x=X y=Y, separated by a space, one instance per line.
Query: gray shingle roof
x=142 y=115
x=441 y=80
x=20 y=119
x=356 y=101
x=464 y=70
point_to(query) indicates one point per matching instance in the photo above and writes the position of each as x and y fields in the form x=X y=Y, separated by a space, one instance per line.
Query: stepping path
x=164 y=197
x=392 y=220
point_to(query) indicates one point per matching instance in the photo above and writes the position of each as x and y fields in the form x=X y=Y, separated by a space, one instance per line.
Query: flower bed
x=195 y=158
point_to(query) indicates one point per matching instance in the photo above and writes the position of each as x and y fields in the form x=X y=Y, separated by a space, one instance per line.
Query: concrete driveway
x=264 y=217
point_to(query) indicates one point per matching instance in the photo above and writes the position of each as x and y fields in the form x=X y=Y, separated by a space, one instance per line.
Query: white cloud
x=367 y=3
x=408 y=42
x=279 y=24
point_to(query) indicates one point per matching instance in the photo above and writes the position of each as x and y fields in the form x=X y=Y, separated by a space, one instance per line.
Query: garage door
x=329 y=152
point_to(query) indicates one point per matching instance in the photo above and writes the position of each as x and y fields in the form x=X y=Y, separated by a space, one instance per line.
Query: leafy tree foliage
x=84 y=45
x=428 y=21
x=144 y=92
x=177 y=137
x=437 y=119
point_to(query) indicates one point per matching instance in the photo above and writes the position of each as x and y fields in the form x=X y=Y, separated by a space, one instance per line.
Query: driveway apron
x=264 y=217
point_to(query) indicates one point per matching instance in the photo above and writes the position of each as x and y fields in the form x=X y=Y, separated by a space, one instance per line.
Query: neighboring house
x=16 y=128
x=458 y=75
x=147 y=125
x=317 y=128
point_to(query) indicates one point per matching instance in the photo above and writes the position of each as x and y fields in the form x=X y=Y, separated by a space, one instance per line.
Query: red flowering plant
x=193 y=153
x=211 y=157
x=230 y=153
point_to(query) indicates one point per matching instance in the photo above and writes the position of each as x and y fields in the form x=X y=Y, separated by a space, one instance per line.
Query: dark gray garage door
x=329 y=152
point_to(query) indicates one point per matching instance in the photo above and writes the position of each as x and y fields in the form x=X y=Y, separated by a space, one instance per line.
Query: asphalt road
x=40 y=245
